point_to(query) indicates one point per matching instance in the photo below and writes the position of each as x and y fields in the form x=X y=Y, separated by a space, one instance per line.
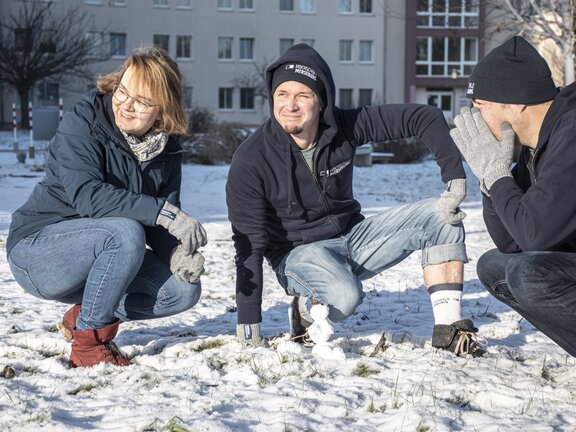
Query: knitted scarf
x=147 y=147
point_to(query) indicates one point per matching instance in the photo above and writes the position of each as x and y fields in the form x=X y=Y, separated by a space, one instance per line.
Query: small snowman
x=320 y=332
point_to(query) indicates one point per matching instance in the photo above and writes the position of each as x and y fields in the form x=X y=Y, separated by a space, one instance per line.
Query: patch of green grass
x=82 y=388
x=363 y=370
x=216 y=343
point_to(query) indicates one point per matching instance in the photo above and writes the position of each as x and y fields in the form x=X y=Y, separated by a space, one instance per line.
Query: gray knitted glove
x=249 y=334
x=447 y=205
x=185 y=228
x=185 y=265
x=488 y=158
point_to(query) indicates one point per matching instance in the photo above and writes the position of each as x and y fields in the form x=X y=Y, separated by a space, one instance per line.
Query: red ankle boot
x=94 y=346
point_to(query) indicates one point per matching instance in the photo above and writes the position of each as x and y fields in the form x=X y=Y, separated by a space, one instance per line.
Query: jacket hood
x=307 y=56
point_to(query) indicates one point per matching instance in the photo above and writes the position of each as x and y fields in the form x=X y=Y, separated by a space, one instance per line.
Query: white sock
x=445 y=299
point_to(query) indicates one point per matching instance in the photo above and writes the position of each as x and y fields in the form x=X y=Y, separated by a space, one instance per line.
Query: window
x=117 y=2
x=93 y=2
x=47 y=44
x=345 y=52
x=246 y=49
x=247 y=98
x=161 y=41
x=183 y=4
x=285 y=44
x=448 y=13
x=23 y=39
x=346 y=98
x=287 y=5
x=365 y=97
x=184 y=47
x=309 y=42
x=160 y=3
x=95 y=41
x=307 y=6
x=365 y=54
x=345 y=6
x=48 y=93
x=246 y=5
x=225 y=98
x=365 y=6
x=187 y=98
x=445 y=56
x=225 y=4
x=118 y=44
x=225 y=48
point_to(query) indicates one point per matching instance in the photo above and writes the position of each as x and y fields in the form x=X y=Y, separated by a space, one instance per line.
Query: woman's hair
x=155 y=71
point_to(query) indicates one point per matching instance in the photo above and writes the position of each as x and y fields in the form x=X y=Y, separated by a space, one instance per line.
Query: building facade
x=380 y=51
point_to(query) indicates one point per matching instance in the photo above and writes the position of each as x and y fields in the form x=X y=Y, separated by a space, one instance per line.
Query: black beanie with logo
x=302 y=74
x=513 y=73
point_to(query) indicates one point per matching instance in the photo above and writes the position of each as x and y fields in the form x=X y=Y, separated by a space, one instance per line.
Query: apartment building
x=380 y=51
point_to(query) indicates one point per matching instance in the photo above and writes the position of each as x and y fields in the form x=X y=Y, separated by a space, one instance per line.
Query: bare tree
x=540 y=21
x=36 y=44
x=256 y=80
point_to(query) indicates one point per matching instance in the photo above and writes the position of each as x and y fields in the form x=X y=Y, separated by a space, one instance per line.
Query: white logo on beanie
x=470 y=90
x=302 y=70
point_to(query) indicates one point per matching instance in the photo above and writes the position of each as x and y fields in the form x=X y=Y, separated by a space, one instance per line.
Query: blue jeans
x=331 y=271
x=103 y=264
x=540 y=286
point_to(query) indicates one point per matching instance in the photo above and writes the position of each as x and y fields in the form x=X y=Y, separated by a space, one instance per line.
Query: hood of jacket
x=307 y=56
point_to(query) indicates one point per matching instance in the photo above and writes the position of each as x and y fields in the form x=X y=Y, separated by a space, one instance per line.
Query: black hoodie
x=276 y=203
x=535 y=210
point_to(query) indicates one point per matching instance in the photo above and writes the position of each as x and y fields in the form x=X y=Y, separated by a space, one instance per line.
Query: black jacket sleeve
x=542 y=217
x=394 y=121
x=247 y=212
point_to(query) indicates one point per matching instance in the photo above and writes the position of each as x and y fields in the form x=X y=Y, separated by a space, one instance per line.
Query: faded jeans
x=540 y=286
x=331 y=271
x=103 y=264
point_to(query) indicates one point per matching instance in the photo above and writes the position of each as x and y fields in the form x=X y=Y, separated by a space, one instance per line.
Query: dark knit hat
x=514 y=73
x=304 y=75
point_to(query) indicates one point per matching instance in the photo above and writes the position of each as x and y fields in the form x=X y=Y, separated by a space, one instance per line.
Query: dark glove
x=185 y=228
x=185 y=265
x=447 y=205
x=488 y=158
x=249 y=334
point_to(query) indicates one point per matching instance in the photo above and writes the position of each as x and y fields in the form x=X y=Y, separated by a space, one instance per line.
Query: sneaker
x=299 y=324
x=459 y=337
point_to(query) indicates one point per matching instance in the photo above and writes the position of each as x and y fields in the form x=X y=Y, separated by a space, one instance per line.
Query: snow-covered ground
x=190 y=374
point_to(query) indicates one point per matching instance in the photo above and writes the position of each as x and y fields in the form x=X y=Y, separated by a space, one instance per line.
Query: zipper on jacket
x=532 y=164
x=319 y=186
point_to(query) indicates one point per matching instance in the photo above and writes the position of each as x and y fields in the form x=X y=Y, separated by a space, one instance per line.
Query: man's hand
x=249 y=334
x=488 y=158
x=185 y=228
x=447 y=205
x=185 y=265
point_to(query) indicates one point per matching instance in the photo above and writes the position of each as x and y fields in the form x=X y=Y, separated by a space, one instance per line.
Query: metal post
x=15 y=127
x=31 y=149
x=60 y=109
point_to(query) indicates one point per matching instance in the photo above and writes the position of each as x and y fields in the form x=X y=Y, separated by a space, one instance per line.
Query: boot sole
x=64 y=331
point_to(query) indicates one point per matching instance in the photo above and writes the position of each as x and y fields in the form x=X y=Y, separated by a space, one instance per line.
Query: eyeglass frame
x=135 y=101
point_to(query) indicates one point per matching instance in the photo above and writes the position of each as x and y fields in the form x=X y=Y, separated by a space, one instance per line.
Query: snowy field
x=190 y=374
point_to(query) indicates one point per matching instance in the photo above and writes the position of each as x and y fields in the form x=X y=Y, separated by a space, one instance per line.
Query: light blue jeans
x=331 y=271
x=103 y=264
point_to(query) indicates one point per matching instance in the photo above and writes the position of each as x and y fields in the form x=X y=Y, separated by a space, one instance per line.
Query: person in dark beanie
x=290 y=200
x=530 y=210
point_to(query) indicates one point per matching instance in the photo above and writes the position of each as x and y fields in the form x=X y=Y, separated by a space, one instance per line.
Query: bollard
x=15 y=127
x=31 y=149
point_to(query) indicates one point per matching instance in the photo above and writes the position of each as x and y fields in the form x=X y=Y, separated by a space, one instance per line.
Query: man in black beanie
x=530 y=211
x=290 y=200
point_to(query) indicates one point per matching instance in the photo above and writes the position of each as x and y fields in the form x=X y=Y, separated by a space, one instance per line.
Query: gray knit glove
x=447 y=205
x=185 y=265
x=249 y=334
x=488 y=158
x=185 y=228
